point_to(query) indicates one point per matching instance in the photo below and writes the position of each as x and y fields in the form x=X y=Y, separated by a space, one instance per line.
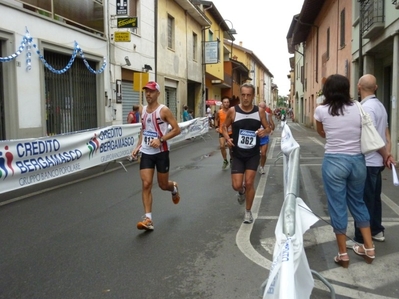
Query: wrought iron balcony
x=373 y=17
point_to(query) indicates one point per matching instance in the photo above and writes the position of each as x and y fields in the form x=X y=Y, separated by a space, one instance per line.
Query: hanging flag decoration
x=27 y=44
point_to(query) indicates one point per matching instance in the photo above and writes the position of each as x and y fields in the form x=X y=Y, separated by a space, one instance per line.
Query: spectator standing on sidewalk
x=190 y=114
x=219 y=121
x=375 y=161
x=186 y=115
x=210 y=116
x=283 y=114
x=246 y=120
x=343 y=167
x=134 y=116
x=264 y=141
x=154 y=147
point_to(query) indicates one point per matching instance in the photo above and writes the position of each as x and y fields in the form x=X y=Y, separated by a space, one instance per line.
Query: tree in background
x=282 y=101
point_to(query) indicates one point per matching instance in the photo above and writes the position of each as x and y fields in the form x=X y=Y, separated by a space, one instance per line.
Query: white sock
x=148 y=215
x=174 y=190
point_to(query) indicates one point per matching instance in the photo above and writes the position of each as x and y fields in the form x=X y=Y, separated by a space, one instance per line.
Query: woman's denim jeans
x=344 y=178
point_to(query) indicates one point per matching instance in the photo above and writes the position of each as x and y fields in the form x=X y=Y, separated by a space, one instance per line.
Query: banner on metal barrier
x=290 y=276
x=25 y=162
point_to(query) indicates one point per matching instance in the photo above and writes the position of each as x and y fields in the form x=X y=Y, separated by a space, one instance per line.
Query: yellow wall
x=216 y=70
x=176 y=65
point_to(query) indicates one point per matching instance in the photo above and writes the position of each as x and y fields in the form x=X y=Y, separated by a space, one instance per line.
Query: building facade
x=179 y=59
x=324 y=31
x=52 y=70
x=218 y=81
x=351 y=38
x=81 y=64
x=258 y=74
x=375 y=50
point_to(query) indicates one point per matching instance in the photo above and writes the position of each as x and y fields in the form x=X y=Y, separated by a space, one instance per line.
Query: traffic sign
x=121 y=7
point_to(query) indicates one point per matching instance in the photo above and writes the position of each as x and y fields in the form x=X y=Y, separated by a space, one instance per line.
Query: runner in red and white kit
x=153 y=145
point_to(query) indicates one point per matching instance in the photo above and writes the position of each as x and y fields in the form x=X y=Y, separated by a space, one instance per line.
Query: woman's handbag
x=370 y=139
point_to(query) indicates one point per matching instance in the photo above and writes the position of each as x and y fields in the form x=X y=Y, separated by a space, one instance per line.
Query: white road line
x=244 y=233
x=347 y=292
x=390 y=203
x=270 y=150
x=326 y=218
x=296 y=126
x=361 y=274
x=315 y=140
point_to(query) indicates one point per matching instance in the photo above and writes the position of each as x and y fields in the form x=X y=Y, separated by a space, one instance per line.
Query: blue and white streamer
x=27 y=44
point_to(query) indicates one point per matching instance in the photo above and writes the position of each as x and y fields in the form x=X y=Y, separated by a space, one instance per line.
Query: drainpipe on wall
x=156 y=39
x=109 y=90
x=201 y=107
x=360 y=39
x=394 y=98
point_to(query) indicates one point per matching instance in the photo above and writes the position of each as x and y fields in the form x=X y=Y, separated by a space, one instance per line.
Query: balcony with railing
x=373 y=17
x=87 y=15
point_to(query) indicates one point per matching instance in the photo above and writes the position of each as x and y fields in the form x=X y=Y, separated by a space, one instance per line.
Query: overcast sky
x=262 y=26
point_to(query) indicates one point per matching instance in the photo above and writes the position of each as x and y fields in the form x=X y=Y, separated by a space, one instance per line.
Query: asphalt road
x=80 y=240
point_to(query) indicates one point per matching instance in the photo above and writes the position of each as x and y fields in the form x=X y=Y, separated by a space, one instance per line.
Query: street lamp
x=231 y=30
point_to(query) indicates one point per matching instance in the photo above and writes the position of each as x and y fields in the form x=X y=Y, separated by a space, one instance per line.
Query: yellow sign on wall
x=139 y=80
x=127 y=22
x=122 y=36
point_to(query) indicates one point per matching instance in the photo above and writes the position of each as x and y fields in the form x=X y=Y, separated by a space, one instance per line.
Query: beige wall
x=177 y=64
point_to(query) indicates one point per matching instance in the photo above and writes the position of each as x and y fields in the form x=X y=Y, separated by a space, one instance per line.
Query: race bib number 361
x=246 y=139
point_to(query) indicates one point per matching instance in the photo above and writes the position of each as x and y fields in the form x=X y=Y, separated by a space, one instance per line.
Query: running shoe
x=380 y=237
x=248 y=217
x=351 y=243
x=261 y=170
x=241 y=197
x=176 y=196
x=146 y=224
x=225 y=163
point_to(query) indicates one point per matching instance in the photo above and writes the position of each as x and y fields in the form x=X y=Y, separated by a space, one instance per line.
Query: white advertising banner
x=290 y=276
x=25 y=162
x=191 y=128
